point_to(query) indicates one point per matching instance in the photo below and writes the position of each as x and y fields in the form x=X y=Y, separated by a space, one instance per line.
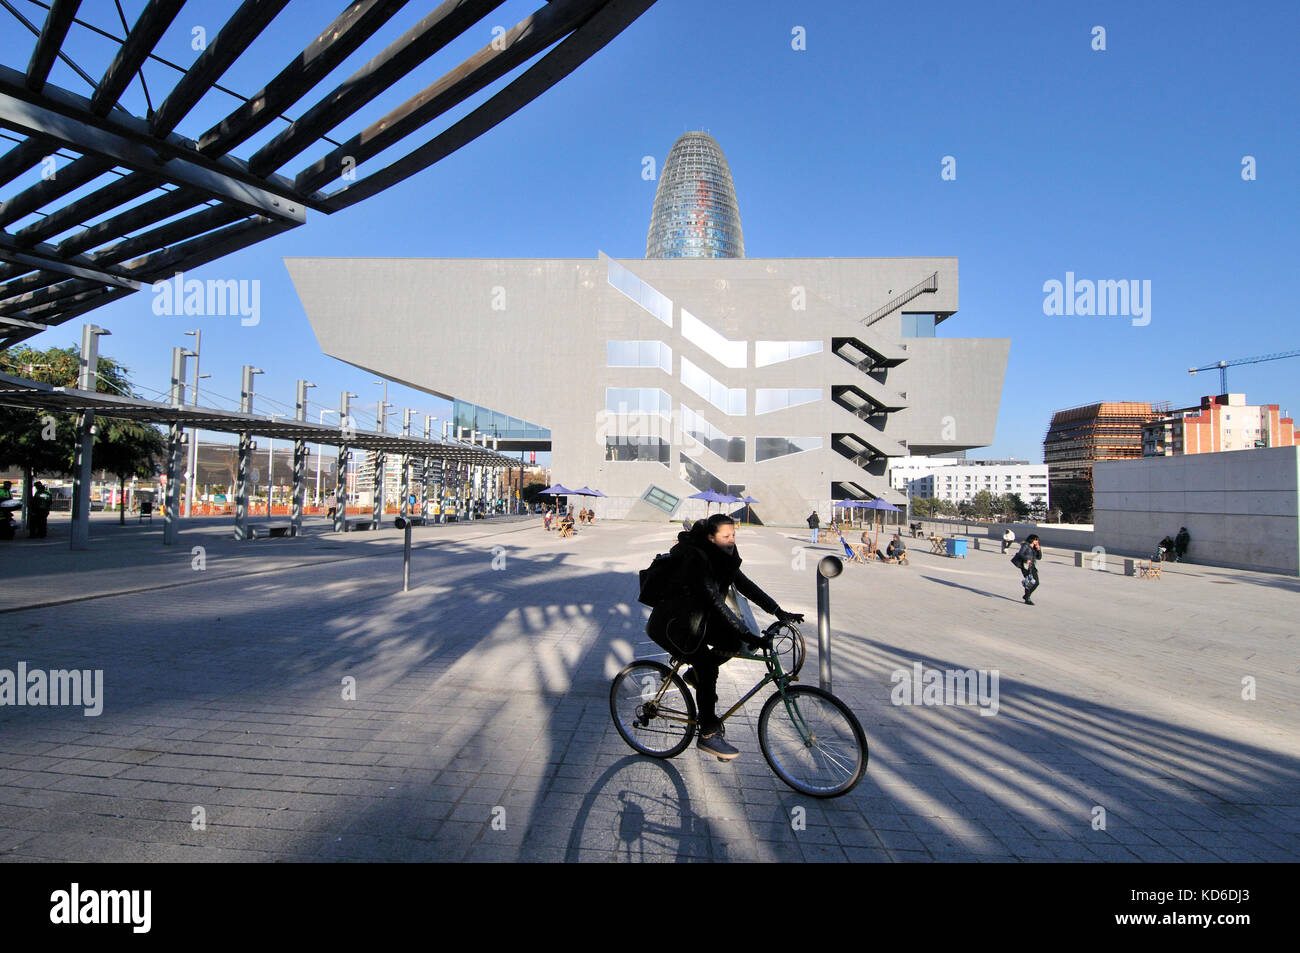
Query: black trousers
x=1030 y=579
x=38 y=520
x=669 y=635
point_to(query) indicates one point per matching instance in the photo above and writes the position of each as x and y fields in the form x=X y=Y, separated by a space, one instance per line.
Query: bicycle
x=811 y=740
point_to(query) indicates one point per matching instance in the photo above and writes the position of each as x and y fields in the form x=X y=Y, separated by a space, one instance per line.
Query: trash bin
x=956 y=547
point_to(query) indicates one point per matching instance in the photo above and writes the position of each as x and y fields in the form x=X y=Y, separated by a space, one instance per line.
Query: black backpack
x=657 y=578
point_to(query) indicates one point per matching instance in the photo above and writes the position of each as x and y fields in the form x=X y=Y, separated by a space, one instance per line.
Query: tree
x=128 y=448
x=1018 y=508
x=1075 y=502
x=38 y=441
x=982 y=505
x=924 y=507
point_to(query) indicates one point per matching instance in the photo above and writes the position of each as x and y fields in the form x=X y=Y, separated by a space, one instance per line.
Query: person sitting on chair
x=897 y=551
x=1165 y=551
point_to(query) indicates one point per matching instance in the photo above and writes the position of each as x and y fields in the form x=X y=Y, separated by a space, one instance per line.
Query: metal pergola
x=175 y=203
x=87 y=405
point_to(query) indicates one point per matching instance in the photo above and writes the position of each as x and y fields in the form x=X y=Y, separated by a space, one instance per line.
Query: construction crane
x=1222 y=366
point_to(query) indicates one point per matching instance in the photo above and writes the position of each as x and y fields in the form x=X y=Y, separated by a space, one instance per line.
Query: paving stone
x=477 y=692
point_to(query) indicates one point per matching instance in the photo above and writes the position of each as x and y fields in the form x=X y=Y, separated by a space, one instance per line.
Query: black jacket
x=1025 y=554
x=695 y=611
x=813 y=521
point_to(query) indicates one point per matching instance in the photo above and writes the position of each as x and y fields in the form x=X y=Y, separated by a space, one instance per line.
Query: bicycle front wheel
x=813 y=741
x=655 y=718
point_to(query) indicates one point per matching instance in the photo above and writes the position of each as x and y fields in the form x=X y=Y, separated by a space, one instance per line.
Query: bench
x=351 y=526
x=269 y=529
x=415 y=520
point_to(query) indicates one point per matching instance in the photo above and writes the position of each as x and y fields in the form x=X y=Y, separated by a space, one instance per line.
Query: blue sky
x=1116 y=164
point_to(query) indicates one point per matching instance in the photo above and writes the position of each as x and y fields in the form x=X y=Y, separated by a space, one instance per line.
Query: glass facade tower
x=695 y=212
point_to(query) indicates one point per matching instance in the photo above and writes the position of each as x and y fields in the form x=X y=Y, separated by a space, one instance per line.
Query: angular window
x=728 y=400
x=637 y=449
x=639 y=354
x=702 y=479
x=640 y=292
x=661 y=499
x=769 y=448
x=726 y=352
x=769 y=399
x=731 y=449
x=638 y=400
x=774 y=352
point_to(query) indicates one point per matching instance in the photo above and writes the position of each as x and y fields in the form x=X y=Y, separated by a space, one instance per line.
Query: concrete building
x=902 y=470
x=791 y=380
x=1219 y=423
x=1242 y=510
x=956 y=484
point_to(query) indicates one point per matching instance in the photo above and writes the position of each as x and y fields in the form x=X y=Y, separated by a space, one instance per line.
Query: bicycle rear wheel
x=660 y=724
x=812 y=741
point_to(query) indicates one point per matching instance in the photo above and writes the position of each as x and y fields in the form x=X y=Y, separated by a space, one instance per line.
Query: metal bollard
x=405 y=525
x=828 y=567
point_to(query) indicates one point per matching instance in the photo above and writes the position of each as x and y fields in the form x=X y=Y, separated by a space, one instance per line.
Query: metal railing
x=929 y=284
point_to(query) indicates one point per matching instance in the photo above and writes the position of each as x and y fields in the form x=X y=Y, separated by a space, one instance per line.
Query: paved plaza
x=283 y=699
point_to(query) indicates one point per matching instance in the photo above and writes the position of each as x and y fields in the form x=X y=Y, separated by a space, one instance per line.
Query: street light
x=321 y=421
x=197 y=334
x=270 y=464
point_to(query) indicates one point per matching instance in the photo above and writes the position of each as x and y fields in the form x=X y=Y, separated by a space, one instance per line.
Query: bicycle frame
x=774 y=675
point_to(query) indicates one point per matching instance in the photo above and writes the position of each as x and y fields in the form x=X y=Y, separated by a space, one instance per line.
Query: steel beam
x=335 y=43
x=526 y=39
x=132 y=220
x=23 y=156
x=57 y=22
x=136 y=154
x=412 y=48
x=240 y=30
x=34 y=257
x=71 y=177
x=567 y=56
x=135 y=49
x=114 y=195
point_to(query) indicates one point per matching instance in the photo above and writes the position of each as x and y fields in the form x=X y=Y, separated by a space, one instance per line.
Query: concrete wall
x=1240 y=507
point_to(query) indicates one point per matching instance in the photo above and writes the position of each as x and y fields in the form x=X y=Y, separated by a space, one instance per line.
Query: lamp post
x=87 y=379
x=245 y=452
x=193 y=463
x=321 y=421
x=270 y=464
x=381 y=424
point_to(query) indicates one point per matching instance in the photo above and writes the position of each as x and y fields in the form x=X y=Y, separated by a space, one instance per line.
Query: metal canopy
x=19 y=392
x=118 y=238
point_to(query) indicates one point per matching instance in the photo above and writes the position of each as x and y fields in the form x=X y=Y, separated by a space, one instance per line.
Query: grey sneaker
x=716 y=745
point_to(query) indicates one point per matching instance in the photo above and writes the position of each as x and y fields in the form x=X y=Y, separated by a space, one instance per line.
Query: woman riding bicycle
x=694 y=623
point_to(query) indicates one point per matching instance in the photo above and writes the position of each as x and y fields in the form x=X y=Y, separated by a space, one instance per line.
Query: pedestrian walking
x=813 y=523
x=1026 y=560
